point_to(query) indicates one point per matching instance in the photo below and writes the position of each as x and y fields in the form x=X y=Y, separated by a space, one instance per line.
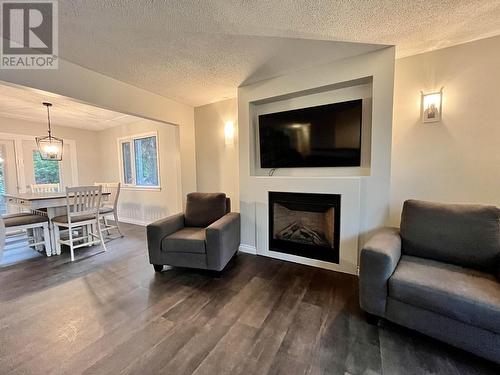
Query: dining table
x=50 y=203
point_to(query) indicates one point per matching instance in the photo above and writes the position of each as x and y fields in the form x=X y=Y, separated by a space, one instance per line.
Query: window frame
x=131 y=141
x=59 y=170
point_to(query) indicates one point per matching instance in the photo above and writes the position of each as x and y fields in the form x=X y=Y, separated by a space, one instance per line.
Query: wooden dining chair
x=82 y=211
x=44 y=188
x=110 y=207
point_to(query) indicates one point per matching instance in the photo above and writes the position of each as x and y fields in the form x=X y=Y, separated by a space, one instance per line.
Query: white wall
x=87 y=86
x=216 y=162
x=365 y=198
x=85 y=141
x=458 y=159
x=136 y=205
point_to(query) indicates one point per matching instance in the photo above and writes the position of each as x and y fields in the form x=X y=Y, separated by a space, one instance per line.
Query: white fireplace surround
x=364 y=190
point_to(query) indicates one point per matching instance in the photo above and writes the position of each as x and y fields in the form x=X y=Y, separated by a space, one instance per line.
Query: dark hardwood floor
x=110 y=313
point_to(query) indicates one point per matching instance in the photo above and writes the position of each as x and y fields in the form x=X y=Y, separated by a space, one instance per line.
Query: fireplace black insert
x=305 y=224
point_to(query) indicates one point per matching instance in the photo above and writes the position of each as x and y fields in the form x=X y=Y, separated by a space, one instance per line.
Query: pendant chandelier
x=50 y=148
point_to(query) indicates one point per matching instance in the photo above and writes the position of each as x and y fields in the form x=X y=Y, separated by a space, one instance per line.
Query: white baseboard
x=132 y=221
x=248 y=249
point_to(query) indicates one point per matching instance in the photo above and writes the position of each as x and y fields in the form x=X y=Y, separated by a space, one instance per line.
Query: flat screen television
x=323 y=136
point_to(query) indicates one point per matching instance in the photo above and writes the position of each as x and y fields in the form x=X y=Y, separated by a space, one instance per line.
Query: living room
x=324 y=196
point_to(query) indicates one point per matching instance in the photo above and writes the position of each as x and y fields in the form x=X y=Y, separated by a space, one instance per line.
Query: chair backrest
x=83 y=201
x=202 y=209
x=463 y=234
x=44 y=188
x=113 y=188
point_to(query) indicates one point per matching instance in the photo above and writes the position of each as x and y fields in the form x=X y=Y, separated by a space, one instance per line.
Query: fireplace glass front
x=305 y=224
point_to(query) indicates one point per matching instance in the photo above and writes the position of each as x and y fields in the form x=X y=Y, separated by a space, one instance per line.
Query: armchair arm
x=379 y=258
x=158 y=230
x=222 y=240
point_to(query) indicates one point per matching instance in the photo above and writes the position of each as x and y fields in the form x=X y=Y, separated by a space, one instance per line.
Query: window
x=139 y=161
x=45 y=171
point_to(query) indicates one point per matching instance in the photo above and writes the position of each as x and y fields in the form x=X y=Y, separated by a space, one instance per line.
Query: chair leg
x=46 y=240
x=99 y=232
x=158 y=267
x=106 y=225
x=372 y=319
x=71 y=249
x=57 y=236
x=37 y=238
x=88 y=229
x=115 y=214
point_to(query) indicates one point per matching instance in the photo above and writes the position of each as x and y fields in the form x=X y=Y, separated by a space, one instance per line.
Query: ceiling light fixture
x=50 y=148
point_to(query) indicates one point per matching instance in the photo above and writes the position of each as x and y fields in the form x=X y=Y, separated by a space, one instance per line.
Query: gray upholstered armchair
x=436 y=274
x=206 y=236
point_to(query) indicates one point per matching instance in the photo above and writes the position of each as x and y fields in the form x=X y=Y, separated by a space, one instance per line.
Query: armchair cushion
x=379 y=258
x=470 y=296
x=465 y=235
x=202 y=209
x=186 y=240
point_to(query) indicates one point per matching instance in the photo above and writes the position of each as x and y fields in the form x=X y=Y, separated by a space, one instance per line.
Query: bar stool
x=20 y=225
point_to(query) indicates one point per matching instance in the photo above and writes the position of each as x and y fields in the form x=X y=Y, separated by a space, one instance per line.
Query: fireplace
x=303 y=224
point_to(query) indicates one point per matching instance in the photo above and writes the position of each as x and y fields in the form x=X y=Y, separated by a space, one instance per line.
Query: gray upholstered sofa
x=438 y=274
x=206 y=236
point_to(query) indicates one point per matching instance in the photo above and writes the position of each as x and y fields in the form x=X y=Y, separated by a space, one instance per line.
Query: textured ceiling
x=200 y=51
x=26 y=104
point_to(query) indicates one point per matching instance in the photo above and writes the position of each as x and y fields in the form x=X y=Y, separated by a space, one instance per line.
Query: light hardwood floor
x=110 y=313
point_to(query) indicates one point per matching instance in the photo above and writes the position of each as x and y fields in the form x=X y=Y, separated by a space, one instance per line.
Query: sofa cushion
x=466 y=235
x=467 y=295
x=202 y=209
x=186 y=240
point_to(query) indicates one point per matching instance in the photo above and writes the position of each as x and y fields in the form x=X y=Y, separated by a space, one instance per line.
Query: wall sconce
x=431 y=106
x=229 y=133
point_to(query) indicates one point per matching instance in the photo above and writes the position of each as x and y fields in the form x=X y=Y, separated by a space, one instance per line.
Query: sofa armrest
x=222 y=240
x=379 y=258
x=160 y=229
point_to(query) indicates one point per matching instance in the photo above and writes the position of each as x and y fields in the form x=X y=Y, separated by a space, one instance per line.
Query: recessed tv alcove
x=326 y=131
